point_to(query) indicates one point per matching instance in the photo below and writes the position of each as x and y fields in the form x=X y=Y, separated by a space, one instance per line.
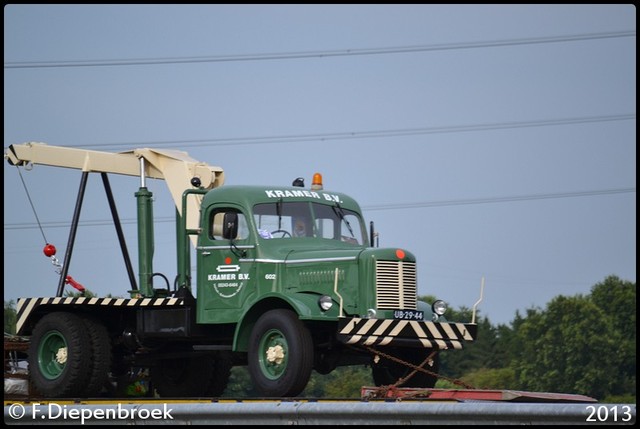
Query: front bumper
x=405 y=333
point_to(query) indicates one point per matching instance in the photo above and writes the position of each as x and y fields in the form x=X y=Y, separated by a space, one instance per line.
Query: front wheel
x=280 y=354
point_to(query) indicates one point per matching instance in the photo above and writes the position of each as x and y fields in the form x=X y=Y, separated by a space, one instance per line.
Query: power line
x=496 y=199
x=469 y=201
x=292 y=138
x=317 y=54
x=86 y=223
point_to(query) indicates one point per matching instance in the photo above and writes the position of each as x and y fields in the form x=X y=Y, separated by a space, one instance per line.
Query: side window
x=216 y=224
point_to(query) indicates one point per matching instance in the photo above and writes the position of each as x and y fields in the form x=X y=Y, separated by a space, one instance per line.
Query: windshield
x=308 y=219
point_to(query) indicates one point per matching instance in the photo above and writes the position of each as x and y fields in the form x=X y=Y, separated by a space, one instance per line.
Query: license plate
x=408 y=315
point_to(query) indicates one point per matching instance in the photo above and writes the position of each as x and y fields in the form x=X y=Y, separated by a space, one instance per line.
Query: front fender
x=305 y=304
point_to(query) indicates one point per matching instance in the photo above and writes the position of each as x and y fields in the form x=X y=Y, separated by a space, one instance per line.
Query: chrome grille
x=396 y=285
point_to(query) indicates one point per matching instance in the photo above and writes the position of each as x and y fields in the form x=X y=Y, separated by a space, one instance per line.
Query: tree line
x=582 y=344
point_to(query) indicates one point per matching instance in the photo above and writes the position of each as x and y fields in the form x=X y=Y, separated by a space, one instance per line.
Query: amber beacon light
x=316 y=184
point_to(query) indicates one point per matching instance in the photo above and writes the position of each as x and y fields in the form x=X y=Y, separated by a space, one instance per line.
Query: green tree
x=10 y=317
x=73 y=294
x=618 y=298
x=239 y=385
x=492 y=378
x=482 y=353
x=343 y=382
x=566 y=348
x=455 y=363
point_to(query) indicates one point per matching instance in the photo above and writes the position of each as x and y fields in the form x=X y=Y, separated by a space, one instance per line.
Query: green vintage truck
x=287 y=281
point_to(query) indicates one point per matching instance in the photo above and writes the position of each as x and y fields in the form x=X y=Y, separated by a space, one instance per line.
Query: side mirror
x=230 y=226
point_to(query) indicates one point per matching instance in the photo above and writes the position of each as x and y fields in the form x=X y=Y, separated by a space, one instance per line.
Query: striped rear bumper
x=407 y=333
x=26 y=306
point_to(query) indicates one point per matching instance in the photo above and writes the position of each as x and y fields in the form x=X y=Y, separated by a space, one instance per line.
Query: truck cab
x=278 y=243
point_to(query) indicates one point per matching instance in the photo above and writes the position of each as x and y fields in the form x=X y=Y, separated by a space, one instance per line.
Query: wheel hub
x=275 y=354
x=61 y=355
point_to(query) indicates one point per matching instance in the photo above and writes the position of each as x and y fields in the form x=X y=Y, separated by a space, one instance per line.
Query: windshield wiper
x=340 y=212
x=279 y=213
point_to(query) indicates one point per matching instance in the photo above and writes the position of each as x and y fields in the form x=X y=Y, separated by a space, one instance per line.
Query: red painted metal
x=462 y=395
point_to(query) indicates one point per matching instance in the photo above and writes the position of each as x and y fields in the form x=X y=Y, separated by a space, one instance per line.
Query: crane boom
x=175 y=167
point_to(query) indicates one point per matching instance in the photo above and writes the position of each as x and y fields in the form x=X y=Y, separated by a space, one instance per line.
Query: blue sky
x=493 y=141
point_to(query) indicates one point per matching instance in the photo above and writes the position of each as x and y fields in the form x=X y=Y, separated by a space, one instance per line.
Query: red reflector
x=400 y=254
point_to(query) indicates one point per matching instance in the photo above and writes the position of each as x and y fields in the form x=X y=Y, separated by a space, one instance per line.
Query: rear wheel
x=220 y=376
x=60 y=356
x=101 y=357
x=182 y=377
x=199 y=376
x=280 y=354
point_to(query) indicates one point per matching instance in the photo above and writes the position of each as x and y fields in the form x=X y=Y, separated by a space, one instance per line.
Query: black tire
x=101 y=362
x=386 y=371
x=280 y=356
x=182 y=377
x=60 y=356
x=220 y=376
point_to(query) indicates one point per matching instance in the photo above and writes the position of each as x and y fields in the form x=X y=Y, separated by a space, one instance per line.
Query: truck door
x=225 y=256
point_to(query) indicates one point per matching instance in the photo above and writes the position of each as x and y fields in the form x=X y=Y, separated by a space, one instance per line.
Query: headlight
x=325 y=302
x=439 y=307
x=371 y=313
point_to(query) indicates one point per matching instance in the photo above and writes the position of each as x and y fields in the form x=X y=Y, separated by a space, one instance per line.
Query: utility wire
x=390 y=206
x=316 y=54
x=292 y=138
x=496 y=199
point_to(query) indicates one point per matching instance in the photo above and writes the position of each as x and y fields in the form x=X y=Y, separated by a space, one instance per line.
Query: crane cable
x=32 y=206
x=49 y=249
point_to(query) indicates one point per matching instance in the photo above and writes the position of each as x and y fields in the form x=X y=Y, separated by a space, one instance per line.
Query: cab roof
x=248 y=196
